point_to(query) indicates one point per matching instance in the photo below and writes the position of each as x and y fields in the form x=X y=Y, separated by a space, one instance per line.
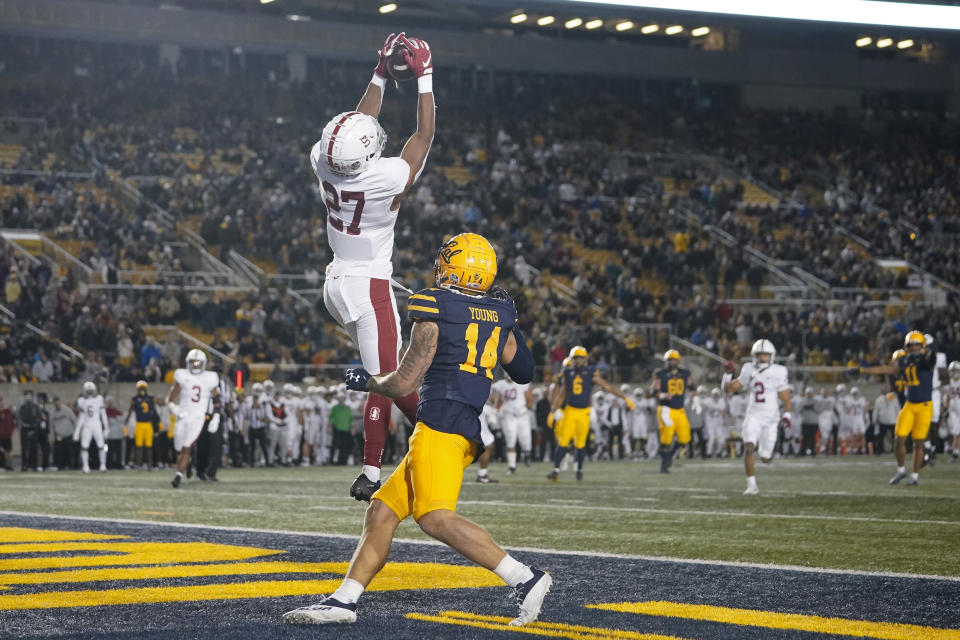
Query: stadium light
x=623 y=26
x=573 y=23
x=517 y=19
x=297 y=18
x=883 y=43
x=673 y=30
x=905 y=44
x=388 y=8
x=875 y=12
x=650 y=28
x=864 y=41
x=594 y=24
x=700 y=31
x=267 y=1
x=546 y=20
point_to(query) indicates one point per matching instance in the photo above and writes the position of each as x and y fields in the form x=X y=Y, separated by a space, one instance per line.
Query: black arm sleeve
x=520 y=368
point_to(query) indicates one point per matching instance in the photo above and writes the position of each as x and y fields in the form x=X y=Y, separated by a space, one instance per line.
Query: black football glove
x=357 y=379
x=499 y=293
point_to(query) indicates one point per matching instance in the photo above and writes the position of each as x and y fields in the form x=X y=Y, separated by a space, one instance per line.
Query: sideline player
x=713 y=409
x=514 y=402
x=952 y=406
x=765 y=383
x=917 y=412
x=192 y=389
x=458 y=336
x=670 y=385
x=91 y=421
x=362 y=195
x=147 y=423
x=571 y=409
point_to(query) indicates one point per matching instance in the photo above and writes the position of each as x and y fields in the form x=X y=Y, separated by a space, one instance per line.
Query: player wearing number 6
x=458 y=337
x=571 y=406
x=362 y=193
x=670 y=386
x=766 y=383
x=916 y=367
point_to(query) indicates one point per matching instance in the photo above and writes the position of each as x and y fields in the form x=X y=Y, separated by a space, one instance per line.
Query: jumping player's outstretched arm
x=415 y=151
x=413 y=366
x=372 y=99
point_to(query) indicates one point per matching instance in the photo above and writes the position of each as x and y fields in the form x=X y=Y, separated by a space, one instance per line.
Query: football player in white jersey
x=825 y=405
x=857 y=406
x=713 y=409
x=765 y=384
x=294 y=402
x=91 y=421
x=513 y=402
x=191 y=391
x=488 y=420
x=952 y=407
x=362 y=195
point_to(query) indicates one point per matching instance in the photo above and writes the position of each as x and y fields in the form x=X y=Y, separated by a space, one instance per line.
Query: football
x=397 y=65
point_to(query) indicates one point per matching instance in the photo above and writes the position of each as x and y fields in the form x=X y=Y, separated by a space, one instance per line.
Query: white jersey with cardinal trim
x=359 y=220
x=89 y=409
x=762 y=387
x=513 y=397
x=952 y=391
x=195 y=391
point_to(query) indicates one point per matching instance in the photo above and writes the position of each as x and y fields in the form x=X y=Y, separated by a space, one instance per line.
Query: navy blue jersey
x=473 y=332
x=917 y=370
x=673 y=382
x=579 y=385
x=143 y=408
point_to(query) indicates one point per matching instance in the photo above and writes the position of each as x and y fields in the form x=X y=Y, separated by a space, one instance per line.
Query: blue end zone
x=579 y=581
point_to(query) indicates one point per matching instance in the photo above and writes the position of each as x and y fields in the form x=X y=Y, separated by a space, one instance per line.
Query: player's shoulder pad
x=426 y=304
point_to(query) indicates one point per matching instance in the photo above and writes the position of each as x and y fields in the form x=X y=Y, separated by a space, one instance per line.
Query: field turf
x=828 y=549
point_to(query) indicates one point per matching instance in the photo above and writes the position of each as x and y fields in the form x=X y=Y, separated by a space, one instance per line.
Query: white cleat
x=530 y=597
x=751 y=491
x=327 y=611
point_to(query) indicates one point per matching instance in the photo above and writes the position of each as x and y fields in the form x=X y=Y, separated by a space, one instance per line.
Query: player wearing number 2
x=765 y=384
x=362 y=193
x=192 y=390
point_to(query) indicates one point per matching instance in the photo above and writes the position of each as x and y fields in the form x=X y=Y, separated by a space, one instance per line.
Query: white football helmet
x=196 y=361
x=257 y=388
x=808 y=391
x=350 y=144
x=762 y=346
x=89 y=389
x=715 y=392
x=841 y=388
x=854 y=391
x=624 y=388
x=269 y=388
x=954 y=370
x=702 y=388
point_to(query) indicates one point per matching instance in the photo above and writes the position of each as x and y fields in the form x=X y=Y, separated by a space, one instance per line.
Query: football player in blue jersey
x=571 y=407
x=462 y=329
x=916 y=367
x=670 y=386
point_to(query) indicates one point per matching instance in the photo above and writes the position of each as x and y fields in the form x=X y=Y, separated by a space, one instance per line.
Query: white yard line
x=560 y=552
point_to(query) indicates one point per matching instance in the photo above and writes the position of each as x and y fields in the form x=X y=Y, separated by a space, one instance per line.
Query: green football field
x=829 y=513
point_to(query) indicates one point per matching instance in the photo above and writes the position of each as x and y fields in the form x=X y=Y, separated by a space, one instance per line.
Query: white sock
x=481 y=473
x=348 y=592
x=179 y=475
x=372 y=473
x=901 y=469
x=85 y=458
x=914 y=476
x=511 y=458
x=513 y=572
x=751 y=481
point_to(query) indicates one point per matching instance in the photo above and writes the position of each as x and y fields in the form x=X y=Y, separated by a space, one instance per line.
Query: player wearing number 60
x=670 y=386
x=767 y=387
x=362 y=192
x=459 y=335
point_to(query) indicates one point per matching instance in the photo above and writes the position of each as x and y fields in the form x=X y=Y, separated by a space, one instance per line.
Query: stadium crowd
x=228 y=156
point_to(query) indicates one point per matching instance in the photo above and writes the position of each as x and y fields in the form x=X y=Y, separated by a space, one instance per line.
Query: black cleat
x=175 y=483
x=553 y=475
x=363 y=488
x=579 y=475
x=486 y=480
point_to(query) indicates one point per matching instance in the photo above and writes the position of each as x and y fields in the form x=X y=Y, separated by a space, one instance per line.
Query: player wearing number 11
x=362 y=192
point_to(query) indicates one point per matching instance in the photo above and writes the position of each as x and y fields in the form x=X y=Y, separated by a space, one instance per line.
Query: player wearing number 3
x=362 y=193
x=192 y=390
x=765 y=384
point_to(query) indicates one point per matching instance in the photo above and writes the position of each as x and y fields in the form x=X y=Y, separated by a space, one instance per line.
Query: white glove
x=214 y=423
x=665 y=415
x=557 y=415
x=929 y=339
